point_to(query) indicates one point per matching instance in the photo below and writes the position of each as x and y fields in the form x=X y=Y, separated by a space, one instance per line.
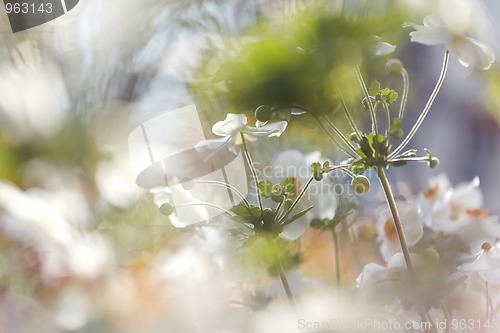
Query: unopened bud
x=166 y=209
x=361 y=184
x=394 y=67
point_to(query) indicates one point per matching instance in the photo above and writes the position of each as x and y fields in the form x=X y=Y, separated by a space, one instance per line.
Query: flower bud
x=361 y=184
x=166 y=209
x=394 y=67
x=433 y=162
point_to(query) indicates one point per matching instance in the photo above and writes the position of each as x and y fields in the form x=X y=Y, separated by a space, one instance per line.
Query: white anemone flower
x=164 y=200
x=485 y=262
x=387 y=236
x=468 y=51
x=374 y=274
x=230 y=129
x=458 y=211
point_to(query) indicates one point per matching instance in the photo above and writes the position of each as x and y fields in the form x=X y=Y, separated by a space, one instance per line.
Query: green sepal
x=296 y=216
x=374 y=88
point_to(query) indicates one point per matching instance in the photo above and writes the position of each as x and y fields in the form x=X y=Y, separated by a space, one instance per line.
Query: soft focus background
x=84 y=249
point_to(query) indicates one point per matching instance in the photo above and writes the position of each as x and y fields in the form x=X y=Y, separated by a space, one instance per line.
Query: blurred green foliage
x=302 y=61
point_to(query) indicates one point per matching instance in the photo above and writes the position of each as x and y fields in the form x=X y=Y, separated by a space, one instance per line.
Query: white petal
x=381 y=49
x=268 y=130
x=430 y=36
x=471 y=52
x=433 y=22
x=231 y=125
x=367 y=274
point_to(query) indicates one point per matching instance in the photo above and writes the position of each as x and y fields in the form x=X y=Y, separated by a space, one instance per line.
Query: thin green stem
x=404 y=98
x=402 y=239
x=343 y=168
x=252 y=170
x=281 y=271
x=410 y=159
x=397 y=220
x=296 y=201
x=342 y=136
x=226 y=185
x=368 y=100
x=206 y=204
x=387 y=118
x=348 y=115
x=427 y=107
x=347 y=152
x=336 y=248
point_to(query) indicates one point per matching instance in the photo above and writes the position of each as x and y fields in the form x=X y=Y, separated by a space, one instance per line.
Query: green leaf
x=316 y=167
x=326 y=165
x=393 y=96
x=374 y=88
x=246 y=212
x=385 y=92
x=266 y=188
x=290 y=185
x=296 y=216
x=358 y=167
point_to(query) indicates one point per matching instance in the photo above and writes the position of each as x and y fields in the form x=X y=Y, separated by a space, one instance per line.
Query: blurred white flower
x=373 y=274
x=485 y=262
x=292 y=163
x=234 y=124
x=115 y=181
x=33 y=103
x=458 y=211
x=468 y=51
x=63 y=248
x=164 y=200
x=387 y=236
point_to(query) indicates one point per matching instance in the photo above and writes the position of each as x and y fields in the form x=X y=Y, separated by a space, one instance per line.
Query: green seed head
x=166 y=209
x=433 y=162
x=361 y=184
